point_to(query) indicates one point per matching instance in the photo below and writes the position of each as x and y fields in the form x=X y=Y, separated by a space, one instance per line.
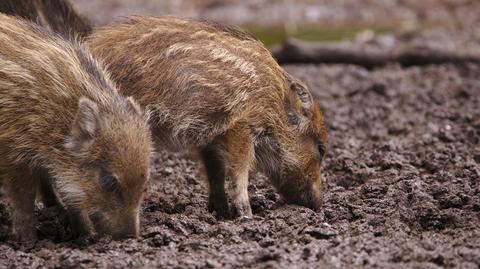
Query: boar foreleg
x=239 y=158
x=81 y=227
x=229 y=156
x=46 y=192
x=22 y=188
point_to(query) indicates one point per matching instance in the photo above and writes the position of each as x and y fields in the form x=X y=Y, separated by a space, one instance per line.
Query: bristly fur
x=62 y=117
x=218 y=90
x=56 y=15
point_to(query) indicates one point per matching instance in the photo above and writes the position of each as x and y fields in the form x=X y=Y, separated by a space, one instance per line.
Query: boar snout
x=120 y=226
x=308 y=195
x=125 y=234
x=127 y=226
x=128 y=229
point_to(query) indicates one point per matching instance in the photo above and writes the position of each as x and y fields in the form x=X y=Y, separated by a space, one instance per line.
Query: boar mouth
x=308 y=195
x=296 y=191
x=103 y=226
x=100 y=222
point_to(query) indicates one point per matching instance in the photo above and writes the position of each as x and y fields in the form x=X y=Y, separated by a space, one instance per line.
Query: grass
x=273 y=36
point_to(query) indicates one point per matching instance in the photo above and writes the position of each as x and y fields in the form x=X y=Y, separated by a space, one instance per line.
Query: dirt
x=402 y=175
x=402 y=181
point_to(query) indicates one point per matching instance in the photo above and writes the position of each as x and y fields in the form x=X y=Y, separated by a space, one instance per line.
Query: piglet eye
x=108 y=181
x=321 y=149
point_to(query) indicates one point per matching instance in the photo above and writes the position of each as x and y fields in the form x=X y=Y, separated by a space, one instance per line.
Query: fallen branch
x=296 y=51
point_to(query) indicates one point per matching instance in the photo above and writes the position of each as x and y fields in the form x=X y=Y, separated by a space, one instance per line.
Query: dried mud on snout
x=402 y=188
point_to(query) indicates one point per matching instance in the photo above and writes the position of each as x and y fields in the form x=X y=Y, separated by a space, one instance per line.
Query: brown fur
x=218 y=91
x=62 y=120
x=57 y=15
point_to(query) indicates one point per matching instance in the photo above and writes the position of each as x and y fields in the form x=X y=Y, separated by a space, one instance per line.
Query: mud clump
x=402 y=189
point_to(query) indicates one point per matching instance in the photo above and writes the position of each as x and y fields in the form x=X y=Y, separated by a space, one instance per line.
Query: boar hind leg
x=239 y=155
x=22 y=188
x=214 y=165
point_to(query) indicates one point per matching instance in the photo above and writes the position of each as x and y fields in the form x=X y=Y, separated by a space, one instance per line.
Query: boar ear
x=149 y=113
x=133 y=106
x=300 y=103
x=87 y=121
x=300 y=90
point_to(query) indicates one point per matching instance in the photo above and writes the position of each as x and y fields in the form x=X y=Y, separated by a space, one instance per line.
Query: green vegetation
x=273 y=36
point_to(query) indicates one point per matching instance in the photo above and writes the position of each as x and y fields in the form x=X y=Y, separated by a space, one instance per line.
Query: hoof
x=220 y=207
x=24 y=236
x=243 y=210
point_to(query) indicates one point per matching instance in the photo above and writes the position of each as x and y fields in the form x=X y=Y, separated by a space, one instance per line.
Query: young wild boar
x=62 y=120
x=218 y=91
x=57 y=15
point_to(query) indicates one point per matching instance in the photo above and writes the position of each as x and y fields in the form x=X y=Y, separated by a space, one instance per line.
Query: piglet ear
x=301 y=91
x=133 y=106
x=87 y=121
x=300 y=103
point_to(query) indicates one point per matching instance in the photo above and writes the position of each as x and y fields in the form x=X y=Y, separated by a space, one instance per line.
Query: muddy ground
x=402 y=183
x=402 y=189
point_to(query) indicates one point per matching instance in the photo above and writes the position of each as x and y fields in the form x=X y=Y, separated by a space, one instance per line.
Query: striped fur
x=56 y=15
x=62 y=120
x=210 y=85
x=217 y=90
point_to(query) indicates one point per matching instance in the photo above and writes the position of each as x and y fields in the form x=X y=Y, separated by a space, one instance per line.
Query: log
x=367 y=55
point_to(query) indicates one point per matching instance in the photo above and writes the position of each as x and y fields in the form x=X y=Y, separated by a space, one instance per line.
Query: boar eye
x=320 y=149
x=109 y=182
x=293 y=118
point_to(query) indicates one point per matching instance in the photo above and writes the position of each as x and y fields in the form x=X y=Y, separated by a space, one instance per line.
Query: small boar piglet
x=66 y=127
x=217 y=91
x=56 y=15
x=214 y=90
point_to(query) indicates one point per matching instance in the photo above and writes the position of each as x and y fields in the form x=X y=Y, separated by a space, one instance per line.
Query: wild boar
x=57 y=15
x=217 y=91
x=62 y=120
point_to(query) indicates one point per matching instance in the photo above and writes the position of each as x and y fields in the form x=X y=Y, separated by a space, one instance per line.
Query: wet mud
x=402 y=189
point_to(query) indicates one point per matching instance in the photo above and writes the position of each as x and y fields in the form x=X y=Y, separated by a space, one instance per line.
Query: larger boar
x=62 y=120
x=57 y=15
x=218 y=91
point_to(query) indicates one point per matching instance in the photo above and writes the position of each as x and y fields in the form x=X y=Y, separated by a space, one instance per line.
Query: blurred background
x=314 y=20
